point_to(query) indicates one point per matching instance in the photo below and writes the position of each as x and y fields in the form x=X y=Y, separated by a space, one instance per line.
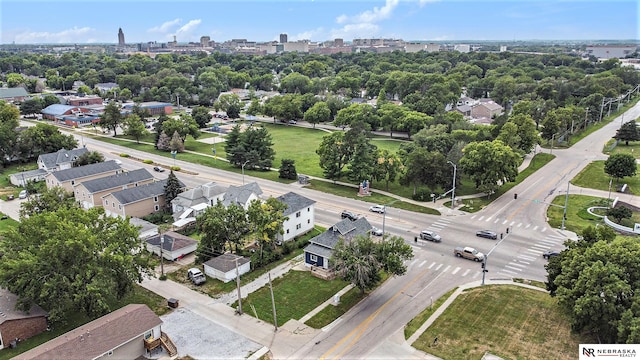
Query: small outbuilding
x=174 y=245
x=223 y=267
x=16 y=324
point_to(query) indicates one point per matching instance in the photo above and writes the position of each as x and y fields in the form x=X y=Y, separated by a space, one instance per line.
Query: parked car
x=196 y=276
x=10 y=197
x=23 y=194
x=349 y=215
x=375 y=231
x=292 y=122
x=550 y=253
x=158 y=169
x=430 y=236
x=377 y=209
x=487 y=234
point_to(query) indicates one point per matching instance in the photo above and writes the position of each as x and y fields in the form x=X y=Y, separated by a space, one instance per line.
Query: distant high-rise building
x=204 y=41
x=120 y=37
x=283 y=38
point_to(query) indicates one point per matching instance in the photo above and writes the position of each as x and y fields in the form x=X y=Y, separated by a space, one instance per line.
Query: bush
x=147 y=161
x=422 y=195
x=124 y=155
x=175 y=168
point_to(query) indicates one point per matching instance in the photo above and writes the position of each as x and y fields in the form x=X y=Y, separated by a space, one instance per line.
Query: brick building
x=18 y=324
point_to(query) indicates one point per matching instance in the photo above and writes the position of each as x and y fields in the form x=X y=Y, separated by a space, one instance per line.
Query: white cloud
x=188 y=27
x=72 y=35
x=354 y=31
x=166 y=26
x=370 y=16
x=424 y=2
x=308 y=35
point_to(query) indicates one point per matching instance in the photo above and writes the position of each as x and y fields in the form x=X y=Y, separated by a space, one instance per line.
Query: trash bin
x=173 y=303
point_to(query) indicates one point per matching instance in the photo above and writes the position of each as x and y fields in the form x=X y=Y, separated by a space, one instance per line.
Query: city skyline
x=73 y=21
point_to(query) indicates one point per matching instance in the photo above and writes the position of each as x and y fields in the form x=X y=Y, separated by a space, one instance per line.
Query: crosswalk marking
x=509 y=271
x=466 y=272
x=504 y=222
x=544 y=229
x=430 y=266
x=422 y=263
x=513 y=267
x=516 y=264
x=548 y=242
x=495 y=222
x=480 y=218
x=438 y=267
x=535 y=251
x=519 y=224
x=455 y=270
x=447 y=268
x=540 y=246
x=526 y=257
x=526 y=227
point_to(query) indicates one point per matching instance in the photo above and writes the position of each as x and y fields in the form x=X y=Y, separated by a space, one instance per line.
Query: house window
x=148 y=335
x=298 y=214
x=287 y=231
x=119 y=206
x=73 y=182
x=106 y=203
x=298 y=226
x=313 y=258
x=113 y=205
x=308 y=221
x=308 y=209
x=156 y=207
x=155 y=199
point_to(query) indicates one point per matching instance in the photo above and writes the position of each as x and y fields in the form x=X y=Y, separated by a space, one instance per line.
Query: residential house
x=320 y=248
x=147 y=229
x=106 y=87
x=137 y=201
x=486 y=109
x=127 y=333
x=174 y=245
x=60 y=160
x=242 y=195
x=67 y=178
x=89 y=193
x=23 y=177
x=16 y=324
x=191 y=203
x=13 y=94
x=300 y=212
x=227 y=266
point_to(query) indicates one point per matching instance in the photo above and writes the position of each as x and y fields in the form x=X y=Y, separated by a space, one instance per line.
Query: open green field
x=577 y=216
x=507 y=321
x=594 y=177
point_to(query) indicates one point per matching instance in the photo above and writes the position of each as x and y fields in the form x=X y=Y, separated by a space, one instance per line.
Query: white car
x=375 y=231
x=23 y=194
x=377 y=209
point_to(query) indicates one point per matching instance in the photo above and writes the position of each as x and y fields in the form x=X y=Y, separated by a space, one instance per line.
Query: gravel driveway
x=200 y=338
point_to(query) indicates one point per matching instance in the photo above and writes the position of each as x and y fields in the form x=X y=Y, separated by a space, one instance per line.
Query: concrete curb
x=319 y=308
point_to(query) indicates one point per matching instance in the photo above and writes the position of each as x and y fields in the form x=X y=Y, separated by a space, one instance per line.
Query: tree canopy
x=620 y=165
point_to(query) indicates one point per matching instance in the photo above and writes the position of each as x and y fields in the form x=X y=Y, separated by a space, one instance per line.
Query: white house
x=300 y=212
x=191 y=203
x=174 y=245
x=223 y=267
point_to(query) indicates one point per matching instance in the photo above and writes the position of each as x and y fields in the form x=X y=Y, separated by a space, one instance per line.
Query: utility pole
x=239 y=310
x=453 y=191
x=566 y=202
x=245 y=163
x=161 y=256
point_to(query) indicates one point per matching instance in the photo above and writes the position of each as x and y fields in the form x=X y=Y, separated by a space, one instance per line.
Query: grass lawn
x=594 y=177
x=476 y=204
x=577 y=216
x=292 y=295
x=507 y=321
x=74 y=319
x=415 y=323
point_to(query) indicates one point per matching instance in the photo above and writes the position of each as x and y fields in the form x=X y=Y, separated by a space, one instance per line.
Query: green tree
x=334 y=155
x=620 y=213
x=628 y=132
x=72 y=259
x=229 y=103
x=90 y=157
x=9 y=116
x=318 y=113
x=134 y=127
x=164 y=142
x=489 y=163
x=596 y=283
x=265 y=221
x=48 y=200
x=184 y=126
x=295 y=83
x=172 y=189
x=387 y=167
x=111 y=118
x=43 y=139
x=176 y=144
x=201 y=115
x=222 y=228
x=31 y=106
x=288 y=170
x=620 y=165
x=360 y=259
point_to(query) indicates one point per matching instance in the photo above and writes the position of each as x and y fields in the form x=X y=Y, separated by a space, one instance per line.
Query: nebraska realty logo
x=591 y=351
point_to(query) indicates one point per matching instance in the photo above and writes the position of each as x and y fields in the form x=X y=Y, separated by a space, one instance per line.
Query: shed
x=174 y=247
x=223 y=267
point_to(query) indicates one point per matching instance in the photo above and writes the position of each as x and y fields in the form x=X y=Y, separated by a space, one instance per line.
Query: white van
x=23 y=194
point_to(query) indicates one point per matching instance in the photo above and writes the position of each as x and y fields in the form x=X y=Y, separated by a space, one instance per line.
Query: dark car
x=550 y=253
x=349 y=215
x=10 y=197
x=487 y=234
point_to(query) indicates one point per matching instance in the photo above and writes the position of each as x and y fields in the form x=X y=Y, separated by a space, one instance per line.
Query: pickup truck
x=468 y=253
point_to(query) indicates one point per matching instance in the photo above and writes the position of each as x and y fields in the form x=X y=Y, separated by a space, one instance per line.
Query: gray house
x=242 y=195
x=67 y=178
x=191 y=203
x=319 y=251
x=89 y=193
x=61 y=159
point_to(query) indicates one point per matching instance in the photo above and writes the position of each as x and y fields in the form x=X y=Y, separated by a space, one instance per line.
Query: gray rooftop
x=200 y=194
x=226 y=262
x=86 y=170
x=50 y=160
x=172 y=241
x=294 y=202
x=117 y=180
x=131 y=195
x=8 y=310
x=7 y=93
x=241 y=194
x=345 y=229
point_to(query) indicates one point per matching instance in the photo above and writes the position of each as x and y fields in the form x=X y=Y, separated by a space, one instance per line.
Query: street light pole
x=161 y=260
x=245 y=163
x=453 y=191
x=384 y=214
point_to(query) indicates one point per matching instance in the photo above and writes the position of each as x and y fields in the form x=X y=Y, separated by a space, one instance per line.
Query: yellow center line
x=359 y=330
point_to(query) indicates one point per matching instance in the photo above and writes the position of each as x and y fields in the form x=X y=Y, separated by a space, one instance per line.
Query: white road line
x=474 y=216
x=466 y=272
x=495 y=222
x=455 y=270
x=513 y=222
x=539 y=246
x=438 y=226
x=519 y=224
x=508 y=271
x=447 y=268
x=514 y=268
x=526 y=227
x=535 y=228
x=522 y=261
x=544 y=229
x=518 y=265
x=422 y=263
x=438 y=267
x=548 y=242
x=430 y=266
x=535 y=251
x=480 y=218
x=526 y=257
x=505 y=221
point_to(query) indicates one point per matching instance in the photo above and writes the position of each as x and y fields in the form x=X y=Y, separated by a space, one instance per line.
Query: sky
x=89 y=21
